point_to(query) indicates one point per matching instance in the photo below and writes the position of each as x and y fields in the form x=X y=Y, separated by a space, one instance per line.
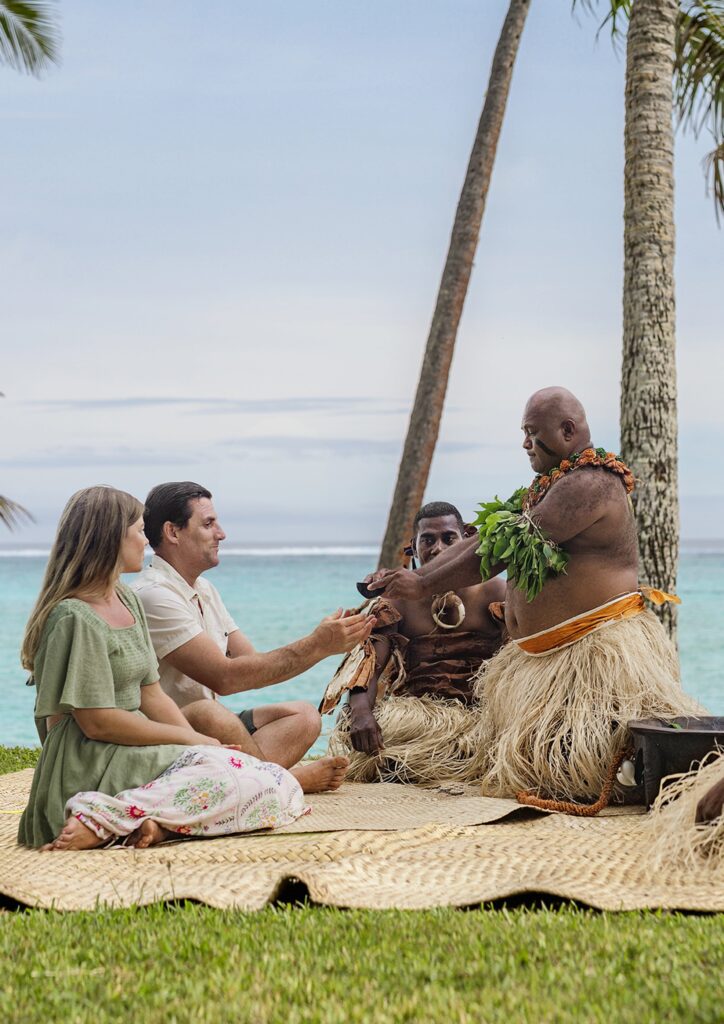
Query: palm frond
x=617 y=10
x=29 y=37
x=11 y=513
x=699 y=80
x=714 y=170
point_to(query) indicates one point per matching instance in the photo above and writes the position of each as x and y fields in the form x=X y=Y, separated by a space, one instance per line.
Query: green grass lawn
x=302 y=963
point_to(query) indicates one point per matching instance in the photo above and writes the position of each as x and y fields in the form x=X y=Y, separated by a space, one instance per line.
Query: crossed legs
x=284 y=733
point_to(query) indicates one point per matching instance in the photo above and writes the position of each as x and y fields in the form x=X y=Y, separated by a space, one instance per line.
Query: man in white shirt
x=203 y=654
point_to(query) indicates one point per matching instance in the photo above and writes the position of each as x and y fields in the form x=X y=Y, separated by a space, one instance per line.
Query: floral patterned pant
x=207 y=791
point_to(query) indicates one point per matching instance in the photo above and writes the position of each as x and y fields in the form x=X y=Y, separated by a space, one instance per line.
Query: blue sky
x=222 y=231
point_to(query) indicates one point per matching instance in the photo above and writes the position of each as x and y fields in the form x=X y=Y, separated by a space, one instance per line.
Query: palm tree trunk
x=424 y=425
x=648 y=376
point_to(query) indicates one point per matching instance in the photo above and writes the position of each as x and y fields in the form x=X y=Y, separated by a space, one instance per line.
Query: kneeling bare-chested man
x=409 y=719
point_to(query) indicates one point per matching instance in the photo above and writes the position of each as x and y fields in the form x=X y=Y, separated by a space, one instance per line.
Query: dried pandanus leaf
x=356 y=670
x=385 y=613
x=358 y=667
x=393 y=675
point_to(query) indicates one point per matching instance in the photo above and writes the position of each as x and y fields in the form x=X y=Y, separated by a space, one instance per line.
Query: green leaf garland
x=507 y=534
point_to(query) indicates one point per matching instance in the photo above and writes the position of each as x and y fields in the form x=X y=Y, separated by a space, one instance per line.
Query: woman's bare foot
x=148 y=834
x=322 y=775
x=74 y=836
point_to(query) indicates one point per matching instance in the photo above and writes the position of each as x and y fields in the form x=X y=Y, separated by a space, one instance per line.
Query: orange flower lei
x=598 y=457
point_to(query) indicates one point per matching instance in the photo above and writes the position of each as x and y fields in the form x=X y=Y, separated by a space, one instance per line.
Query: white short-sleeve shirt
x=177 y=613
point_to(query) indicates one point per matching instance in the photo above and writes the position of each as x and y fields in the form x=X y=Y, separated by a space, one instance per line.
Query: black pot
x=661 y=749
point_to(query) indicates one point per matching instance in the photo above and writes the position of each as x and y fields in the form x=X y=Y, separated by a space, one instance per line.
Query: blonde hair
x=85 y=556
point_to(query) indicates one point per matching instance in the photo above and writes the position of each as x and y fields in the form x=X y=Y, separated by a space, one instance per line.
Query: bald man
x=585 y=655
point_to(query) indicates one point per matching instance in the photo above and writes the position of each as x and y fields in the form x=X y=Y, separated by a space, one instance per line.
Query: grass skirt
x=427 y=740
x=673 y=837
x=552 y=724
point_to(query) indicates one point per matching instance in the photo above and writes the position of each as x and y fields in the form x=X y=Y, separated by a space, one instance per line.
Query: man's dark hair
x=169 y=503
x=433 y=510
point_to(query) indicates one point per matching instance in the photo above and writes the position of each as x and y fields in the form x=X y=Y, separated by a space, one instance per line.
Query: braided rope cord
x=579 y=810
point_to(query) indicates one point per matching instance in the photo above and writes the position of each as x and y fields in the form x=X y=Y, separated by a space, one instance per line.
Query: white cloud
x=226 y=235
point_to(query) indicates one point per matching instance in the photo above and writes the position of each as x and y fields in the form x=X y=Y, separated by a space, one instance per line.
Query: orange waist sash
x=569 y=632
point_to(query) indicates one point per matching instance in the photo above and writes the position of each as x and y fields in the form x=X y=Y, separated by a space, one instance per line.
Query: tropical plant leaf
x=699 y=86
x=617 y=11
x=714 y=167
x=699 y=82
x=698 y=74
x=507 y=534
x=29 y=36
x=11 y=513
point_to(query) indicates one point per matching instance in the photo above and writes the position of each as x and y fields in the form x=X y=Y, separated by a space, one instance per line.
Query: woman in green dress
x=118 y=757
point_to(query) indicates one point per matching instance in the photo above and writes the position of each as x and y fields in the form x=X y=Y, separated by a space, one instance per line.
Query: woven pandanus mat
x=596 y=861
x=380 y=807
x=387 y=806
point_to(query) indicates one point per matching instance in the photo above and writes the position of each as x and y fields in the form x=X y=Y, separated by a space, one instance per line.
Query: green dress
x=82 y=662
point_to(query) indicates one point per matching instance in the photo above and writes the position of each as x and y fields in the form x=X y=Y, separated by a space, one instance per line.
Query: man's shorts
x=247 y=719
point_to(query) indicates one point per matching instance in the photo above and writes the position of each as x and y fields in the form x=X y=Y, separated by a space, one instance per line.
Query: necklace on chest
x=510 y=535
x=447 y=610
x=597 y=458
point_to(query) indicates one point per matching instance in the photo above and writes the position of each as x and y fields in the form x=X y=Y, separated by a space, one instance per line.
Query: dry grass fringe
x=673 y=837
x=427 y=741
x=554 y=724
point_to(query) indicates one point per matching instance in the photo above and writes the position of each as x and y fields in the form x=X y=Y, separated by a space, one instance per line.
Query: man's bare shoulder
x=584 y=489
x=587 y=507
x=484 y=594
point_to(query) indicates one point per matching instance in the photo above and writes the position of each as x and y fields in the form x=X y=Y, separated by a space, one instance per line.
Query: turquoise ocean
x=278 y=595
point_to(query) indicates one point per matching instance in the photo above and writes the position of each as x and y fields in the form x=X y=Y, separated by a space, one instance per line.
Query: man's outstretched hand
x=400 y=583
x=711 y=805
x=340 y=632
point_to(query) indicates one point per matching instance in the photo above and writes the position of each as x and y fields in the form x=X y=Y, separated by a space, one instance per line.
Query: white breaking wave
x=703 y=547
x=245 y=552
x=688 y=547
x=296 y=552
x=24 y=552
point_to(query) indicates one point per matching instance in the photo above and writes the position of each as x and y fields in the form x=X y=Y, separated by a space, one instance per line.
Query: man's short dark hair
x=433 y=510
x=169 y=503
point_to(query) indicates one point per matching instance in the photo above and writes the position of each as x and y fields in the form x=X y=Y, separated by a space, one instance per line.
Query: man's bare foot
x=148 y=834
x=322 y=775
x=74 y=836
